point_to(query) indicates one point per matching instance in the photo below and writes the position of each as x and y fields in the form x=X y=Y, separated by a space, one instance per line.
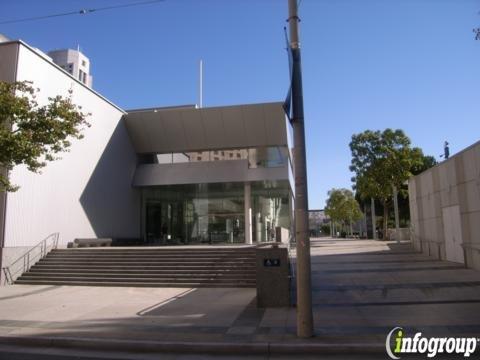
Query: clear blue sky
x=370 y=64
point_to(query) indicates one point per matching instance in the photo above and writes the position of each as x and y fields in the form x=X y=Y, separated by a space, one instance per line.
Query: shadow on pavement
x=34 y=292
x=365 y=287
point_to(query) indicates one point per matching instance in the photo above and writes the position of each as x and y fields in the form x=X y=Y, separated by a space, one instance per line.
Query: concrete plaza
x=361 y=290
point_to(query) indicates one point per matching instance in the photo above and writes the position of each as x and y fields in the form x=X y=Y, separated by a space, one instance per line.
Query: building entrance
x=163 y=221
x=196 y=214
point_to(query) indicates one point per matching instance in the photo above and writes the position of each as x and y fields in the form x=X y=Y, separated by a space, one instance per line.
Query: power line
x=80 y=12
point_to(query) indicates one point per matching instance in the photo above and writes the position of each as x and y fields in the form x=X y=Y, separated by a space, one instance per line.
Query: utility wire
x=80 y=12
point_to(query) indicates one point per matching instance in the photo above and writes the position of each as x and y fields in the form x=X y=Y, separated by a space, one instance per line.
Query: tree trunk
x=365 y=219
x=397 y=218
x=374 y=221
x=385 y=219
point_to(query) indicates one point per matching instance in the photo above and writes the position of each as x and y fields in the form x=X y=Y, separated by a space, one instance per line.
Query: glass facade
x=271 y=207
x=213 y=213
x=267 y=157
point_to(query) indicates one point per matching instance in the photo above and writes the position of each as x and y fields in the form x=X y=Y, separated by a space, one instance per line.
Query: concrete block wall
x=403 y=234
x=454 y=182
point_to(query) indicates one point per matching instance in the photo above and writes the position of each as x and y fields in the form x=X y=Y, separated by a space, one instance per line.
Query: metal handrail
x=27 y=261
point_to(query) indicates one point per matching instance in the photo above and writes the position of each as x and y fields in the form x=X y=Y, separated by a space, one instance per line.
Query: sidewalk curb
x=145 y=346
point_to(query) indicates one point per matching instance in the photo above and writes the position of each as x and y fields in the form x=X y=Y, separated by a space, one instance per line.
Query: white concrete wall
x=88 y=192
x=453 y=182
x=8 y=66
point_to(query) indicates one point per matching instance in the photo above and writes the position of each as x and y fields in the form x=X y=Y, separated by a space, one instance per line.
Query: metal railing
x=25 y=262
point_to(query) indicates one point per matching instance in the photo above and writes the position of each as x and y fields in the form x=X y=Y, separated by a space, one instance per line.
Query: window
x=84 y=63
x=180 y=158
x=169 y=158
x=194 y=213
x=267 y=157
x=260 y=157
x=82 y=76
x=163 y=158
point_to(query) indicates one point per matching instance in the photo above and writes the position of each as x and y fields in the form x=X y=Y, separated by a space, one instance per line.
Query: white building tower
x=74 y=62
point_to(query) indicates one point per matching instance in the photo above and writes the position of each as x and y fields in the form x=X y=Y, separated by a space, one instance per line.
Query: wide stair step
x=147 y=267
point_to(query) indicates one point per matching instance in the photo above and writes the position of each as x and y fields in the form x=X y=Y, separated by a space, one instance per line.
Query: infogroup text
x=419 y=344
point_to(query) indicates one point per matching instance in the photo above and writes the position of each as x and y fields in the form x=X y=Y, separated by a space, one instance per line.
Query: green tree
x=33 y=134
x=342 y=207
x=426 y=162
x=381 y=162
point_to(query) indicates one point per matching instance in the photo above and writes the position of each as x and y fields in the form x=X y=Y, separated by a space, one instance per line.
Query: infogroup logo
x=397 y=343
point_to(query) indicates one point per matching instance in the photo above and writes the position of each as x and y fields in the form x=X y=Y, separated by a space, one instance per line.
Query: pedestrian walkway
x=361 y=290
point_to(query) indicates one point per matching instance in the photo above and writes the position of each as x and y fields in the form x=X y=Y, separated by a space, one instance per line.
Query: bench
x=92 y=242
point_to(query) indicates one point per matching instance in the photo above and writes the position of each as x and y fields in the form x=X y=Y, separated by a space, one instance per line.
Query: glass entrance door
x=164 y=222
x=153 y=222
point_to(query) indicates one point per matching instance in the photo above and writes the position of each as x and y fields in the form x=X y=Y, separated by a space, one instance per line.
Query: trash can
x=273 y=276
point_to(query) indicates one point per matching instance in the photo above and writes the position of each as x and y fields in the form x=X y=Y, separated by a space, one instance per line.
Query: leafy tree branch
x=33 y=134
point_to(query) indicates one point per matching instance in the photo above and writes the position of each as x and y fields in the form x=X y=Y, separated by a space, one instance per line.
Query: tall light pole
x=200 y=85
x=304 y=283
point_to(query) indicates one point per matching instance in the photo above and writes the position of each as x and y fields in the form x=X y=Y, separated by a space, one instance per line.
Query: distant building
x=3 y=38
x=75 y=63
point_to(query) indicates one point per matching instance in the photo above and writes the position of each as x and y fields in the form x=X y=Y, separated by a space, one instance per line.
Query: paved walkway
x=361 y=290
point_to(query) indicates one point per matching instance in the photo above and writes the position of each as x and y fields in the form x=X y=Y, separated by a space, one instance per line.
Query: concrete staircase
x=145 y=267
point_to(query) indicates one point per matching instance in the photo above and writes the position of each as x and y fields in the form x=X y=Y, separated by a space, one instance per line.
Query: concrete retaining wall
x=403 y=234
x=445 y=209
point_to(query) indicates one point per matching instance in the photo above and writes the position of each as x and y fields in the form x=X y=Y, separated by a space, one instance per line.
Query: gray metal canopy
x=184 y=129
